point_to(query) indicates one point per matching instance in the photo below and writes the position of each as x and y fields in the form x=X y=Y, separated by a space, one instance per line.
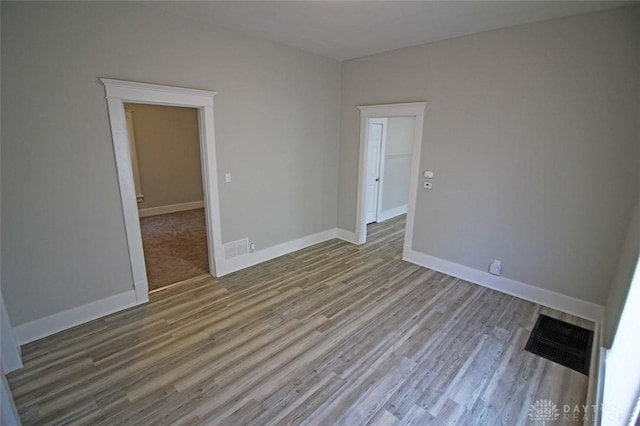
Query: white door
x=373 y=171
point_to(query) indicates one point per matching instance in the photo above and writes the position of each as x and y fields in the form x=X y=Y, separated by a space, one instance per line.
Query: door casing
x=118 y=92
x=367 y=112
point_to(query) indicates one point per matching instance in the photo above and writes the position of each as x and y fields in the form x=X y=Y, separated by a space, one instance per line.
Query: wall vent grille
x=236 y=248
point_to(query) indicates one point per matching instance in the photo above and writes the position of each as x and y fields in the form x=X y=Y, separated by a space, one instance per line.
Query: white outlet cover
x=495 y=268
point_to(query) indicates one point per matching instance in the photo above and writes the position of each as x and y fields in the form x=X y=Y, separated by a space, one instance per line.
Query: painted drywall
x=532 y=133
x=168 y=149
x=277 y=131
x=624 y=274
x=397 y=162
x=9 y=353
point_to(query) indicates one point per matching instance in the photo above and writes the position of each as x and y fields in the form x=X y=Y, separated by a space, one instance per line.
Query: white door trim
x=117 y=93
x=412 y=109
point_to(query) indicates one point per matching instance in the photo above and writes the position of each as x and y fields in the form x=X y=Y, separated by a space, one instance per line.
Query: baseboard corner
x=347 y=236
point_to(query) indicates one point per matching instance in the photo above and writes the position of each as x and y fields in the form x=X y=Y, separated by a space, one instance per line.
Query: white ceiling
x=350 y=29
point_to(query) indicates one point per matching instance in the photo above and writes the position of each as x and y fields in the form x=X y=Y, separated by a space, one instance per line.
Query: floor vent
x=561 y=342
x=236 y=248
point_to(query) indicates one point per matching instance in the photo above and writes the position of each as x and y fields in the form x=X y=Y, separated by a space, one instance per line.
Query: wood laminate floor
x=333 y=334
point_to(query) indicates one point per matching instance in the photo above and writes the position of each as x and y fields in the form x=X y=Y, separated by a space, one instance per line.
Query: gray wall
x=168 y=149
x=533 y=134
x=277 y=125
x=397 y=162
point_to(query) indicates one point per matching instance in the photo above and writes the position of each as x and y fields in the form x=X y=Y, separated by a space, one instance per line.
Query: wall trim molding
x=237 y=263
x=43 y=327
x=561 y=302
x=391 y=213
x=171 y=208
x=347 y=236
x=123 y=88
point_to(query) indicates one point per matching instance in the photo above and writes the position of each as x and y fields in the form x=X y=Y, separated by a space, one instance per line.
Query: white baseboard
x=171 y=208
x=245 y=261
x=347 y=236
x=141 y=289
x=391 y=213
x=60 y=321
x=561 y=302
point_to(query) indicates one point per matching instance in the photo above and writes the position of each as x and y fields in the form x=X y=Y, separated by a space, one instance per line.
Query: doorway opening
x=165 y=159
x=389 y=153
x=119 y=92
x=390 y=145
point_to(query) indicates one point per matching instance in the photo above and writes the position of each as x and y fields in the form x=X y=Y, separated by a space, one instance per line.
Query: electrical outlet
x=252 y=247
x=496 y=267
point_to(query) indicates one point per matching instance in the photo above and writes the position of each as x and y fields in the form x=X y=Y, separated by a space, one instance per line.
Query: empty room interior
x=320 y=212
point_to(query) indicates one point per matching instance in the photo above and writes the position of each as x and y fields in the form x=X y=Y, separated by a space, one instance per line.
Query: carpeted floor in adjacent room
x=175 y=247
